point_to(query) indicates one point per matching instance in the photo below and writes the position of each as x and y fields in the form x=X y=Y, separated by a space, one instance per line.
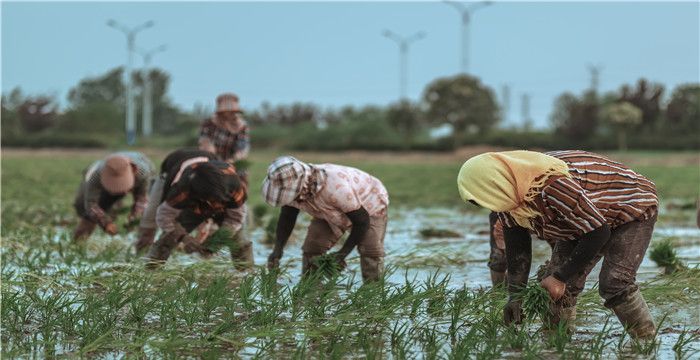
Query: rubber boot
x=160 y=251
x=498 y=278
x=372 y=268
x=634 y=315
x=242 y=255
x=145 y=239
x=84 y=230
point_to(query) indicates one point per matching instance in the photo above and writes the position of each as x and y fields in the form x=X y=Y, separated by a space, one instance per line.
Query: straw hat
x=117 y=175
x=227 y=102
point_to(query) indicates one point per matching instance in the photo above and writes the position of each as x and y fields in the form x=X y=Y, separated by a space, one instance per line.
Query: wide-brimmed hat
x=227 y=102
x=117 y=175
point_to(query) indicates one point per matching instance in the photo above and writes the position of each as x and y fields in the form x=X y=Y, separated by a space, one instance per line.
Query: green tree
x=462 y=101
x=683 y=110
x=647 y=97
x=576 y=119
x=405 y=118
x=107 y=88
x=622 y=116
x=37 y=113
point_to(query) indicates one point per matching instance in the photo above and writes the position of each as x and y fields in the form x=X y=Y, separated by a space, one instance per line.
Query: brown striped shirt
x=600 y=191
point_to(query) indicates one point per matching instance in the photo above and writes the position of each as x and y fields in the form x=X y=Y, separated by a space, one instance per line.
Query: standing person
x=591 y=206
x=339 y=198
x=196 y=189
x=226 y=133
x=104 y=183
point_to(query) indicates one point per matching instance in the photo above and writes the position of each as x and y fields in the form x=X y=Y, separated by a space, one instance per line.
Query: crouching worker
x=196 y=188
x=339 y=199
x=592 y=207
x=104 y=183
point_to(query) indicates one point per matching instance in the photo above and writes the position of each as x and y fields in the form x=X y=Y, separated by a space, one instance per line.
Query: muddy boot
x=84 y=230
x=498 y=278
x=160 y=251
x=635 y=316
x=145 y=239
x=372 y=268
x=242 y=255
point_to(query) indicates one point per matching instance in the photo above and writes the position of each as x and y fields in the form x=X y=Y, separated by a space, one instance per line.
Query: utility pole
x=147 y=117
x=130 y=46
x=525 y=112
x=466 y=13
x=595 y=76
x=404 y=43
x=505 y=102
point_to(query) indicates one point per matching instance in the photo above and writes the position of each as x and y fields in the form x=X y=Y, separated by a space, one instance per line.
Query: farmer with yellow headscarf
x=591 y=206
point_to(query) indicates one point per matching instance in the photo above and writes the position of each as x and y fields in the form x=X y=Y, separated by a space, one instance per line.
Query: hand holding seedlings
x=555 y=287
x=273 y=261
x=340 y=259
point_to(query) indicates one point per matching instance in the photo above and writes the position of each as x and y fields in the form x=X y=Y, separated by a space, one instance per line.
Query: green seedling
x=242 y=165
x=664 y=255
x=439 y=233
x=259 y=212
x=218 y=239
x=535 y=301
x=270 y=231
x=327 y=265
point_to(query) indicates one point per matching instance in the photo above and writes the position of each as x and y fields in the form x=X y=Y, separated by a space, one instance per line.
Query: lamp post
x=147 y=117
x=130 y=45
x=403 y=43
x=466 y=13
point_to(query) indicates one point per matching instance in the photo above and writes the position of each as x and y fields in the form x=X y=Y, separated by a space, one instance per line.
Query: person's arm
x=206 y=145
x=589 y=245
x=242 y=145
x=234 y=218
x=140 y=199
x=360 y=224
x=92 y=207
x=285 y=225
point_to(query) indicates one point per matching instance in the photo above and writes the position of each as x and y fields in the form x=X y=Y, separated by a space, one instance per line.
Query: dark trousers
x=622 y=256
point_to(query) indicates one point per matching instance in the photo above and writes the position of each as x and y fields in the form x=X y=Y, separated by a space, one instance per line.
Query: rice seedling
x=270 y=231
x=220 y=238
x=259 y=212
x=680 y=348
x=535 y=301
x=664 y=255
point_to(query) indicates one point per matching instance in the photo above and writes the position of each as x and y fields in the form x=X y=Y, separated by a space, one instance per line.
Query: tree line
x=640 y=115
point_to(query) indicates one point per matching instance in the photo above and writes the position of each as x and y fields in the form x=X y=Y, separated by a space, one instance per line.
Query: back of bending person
x=339 y=198
x=197 y=189
x=591 y=206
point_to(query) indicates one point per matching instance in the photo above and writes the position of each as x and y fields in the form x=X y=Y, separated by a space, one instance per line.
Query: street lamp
x=403 y=43
x=466 y=13
x=130 y=45
x=147 y=123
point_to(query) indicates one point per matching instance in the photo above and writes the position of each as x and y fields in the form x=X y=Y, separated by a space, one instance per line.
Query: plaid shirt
x=229 y=146
x=93 y=186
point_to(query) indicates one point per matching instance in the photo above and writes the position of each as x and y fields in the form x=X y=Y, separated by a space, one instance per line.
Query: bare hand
x=273 y=261
x=513 y=312
x=555 y=287
x=340 y=260
x=111 y=229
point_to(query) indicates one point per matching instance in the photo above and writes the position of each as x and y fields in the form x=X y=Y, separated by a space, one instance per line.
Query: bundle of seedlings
x=439 y=233
x=217 y=240
x=536 y=302
x=664 y=255
x=327 y=265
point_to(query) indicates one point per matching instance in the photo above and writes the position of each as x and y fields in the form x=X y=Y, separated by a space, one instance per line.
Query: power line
x=404 y=43
x=147 y=117
x=466 y=12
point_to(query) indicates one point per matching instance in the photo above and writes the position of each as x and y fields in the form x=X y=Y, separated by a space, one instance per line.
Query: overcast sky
x=333 y=54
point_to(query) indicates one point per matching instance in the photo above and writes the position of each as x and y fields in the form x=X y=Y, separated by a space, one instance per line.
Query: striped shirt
x=599 y=191
x=93 y=188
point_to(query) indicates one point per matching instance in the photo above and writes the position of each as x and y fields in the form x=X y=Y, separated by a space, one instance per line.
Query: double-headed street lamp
x=147 y=118
x=130 y=46
x=403 y=43
x=466 y=12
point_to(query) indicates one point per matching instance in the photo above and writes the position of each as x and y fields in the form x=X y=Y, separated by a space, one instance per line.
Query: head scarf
x=288 y=178
x=505 y=181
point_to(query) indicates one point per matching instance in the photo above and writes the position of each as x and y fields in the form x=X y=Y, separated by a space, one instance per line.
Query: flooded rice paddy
x=437 y=302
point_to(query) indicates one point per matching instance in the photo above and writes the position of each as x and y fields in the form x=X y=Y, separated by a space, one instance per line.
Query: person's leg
x=371 y=249
x=242 y=250
x=161 y=249
x=628 y=245
x=147 y=226
x=319 y=239
x=85 y=227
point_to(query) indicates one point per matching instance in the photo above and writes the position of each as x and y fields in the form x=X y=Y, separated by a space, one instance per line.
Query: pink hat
x=227 y=102
x=117 y=175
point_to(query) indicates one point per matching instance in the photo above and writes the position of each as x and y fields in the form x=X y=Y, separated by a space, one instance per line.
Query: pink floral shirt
x=346 y=189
